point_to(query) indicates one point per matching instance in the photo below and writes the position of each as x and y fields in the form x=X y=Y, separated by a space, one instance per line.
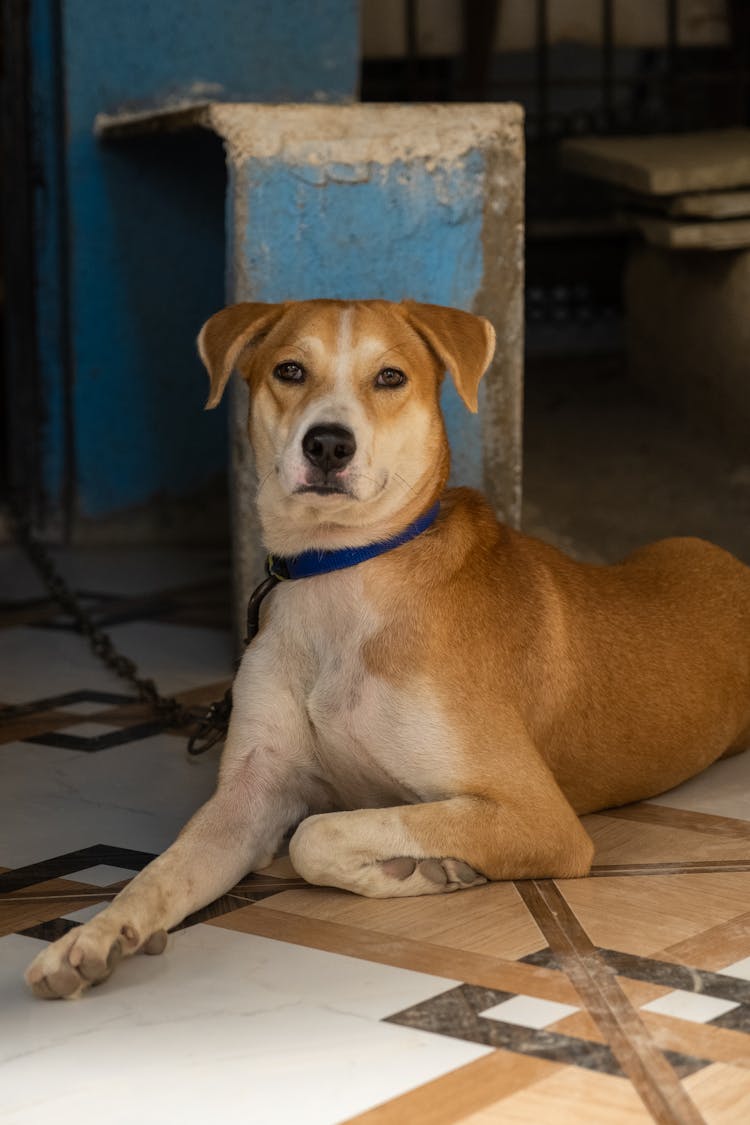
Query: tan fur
x=443 y=713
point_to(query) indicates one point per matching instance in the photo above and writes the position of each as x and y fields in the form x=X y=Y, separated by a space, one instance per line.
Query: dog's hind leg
x=444 y=845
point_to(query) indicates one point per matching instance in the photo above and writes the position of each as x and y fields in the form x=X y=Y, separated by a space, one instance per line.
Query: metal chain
x=169 y=711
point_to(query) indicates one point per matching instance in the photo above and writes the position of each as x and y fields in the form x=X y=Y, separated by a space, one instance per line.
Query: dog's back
x=628 y=678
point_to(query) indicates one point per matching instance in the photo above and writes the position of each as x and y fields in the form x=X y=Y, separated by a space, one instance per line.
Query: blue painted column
x=136 y=232
x=367 y=201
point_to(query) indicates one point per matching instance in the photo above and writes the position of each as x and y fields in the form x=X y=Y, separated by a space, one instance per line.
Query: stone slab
x=727 y=234
x=712 y=205
x=665 y=164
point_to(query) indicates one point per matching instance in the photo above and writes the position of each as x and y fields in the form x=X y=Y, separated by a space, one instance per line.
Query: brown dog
x=446 y=709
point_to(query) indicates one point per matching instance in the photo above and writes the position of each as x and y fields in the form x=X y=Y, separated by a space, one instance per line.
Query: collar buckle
x=277 y=568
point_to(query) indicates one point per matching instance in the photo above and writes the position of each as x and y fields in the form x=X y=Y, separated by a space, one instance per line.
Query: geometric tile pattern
x=463 y=1014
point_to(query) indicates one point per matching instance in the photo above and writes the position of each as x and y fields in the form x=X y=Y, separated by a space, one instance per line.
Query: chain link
x=169 y=711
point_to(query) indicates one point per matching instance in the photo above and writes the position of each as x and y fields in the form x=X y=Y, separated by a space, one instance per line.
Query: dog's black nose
x=329 y=446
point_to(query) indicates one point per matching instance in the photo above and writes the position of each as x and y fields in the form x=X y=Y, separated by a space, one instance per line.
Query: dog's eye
x=289 y=372
x=390 y=377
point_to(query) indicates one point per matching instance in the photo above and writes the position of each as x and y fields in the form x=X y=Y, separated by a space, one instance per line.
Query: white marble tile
x=87 y=707
x=37 y=663
x=740 y=969
x=138 y=795
x=693 y=1006
x=723 y=789
x=89 y=729
x=177 y=657
x=530 y=1011
x=102 y=874
x=223 y=1024
x=86 y=913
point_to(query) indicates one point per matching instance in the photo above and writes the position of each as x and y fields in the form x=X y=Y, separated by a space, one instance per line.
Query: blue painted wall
x=141 y=237
x=378 y=230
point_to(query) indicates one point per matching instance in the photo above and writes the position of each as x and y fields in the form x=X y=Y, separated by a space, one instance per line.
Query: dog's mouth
x=322 y=490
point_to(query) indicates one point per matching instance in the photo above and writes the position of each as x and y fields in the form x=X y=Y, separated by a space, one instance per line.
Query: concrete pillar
x=363 y=201
x=688 y=330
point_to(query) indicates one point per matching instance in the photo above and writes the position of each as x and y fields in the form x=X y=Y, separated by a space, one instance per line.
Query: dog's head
x=345 y=418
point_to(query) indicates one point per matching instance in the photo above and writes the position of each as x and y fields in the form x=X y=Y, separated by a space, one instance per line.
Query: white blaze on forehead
x=343 y=356
x=350 y=354
x=354 y=352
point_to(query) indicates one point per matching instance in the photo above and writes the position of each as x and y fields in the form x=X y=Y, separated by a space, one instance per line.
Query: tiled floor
x=620 y=998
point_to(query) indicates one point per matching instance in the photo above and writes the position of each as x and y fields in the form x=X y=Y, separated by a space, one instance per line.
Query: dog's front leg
x=525 y=830
x=261 y=792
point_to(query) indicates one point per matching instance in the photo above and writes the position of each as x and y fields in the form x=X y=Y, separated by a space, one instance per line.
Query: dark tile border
x=60 y=866
x=116 y=737
x=668 y=974
x=457 y=1014
x=59 y=702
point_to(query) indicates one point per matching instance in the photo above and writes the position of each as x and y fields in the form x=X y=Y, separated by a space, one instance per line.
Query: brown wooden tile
x=29 y=726
x=644 y=914
x=479 y=1084
x=265 y=920
x=701 y=1040
x=621 y=840
x=713 y=948
x=491 y=920
x=47 y=901
x=570 y=1097
x=722 y=1093
x=666 y=817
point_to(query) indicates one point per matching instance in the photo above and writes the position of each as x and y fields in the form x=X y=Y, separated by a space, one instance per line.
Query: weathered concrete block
x=689 y=332
x=729 y=234
x=712 y=204
x=664 y=164
x=420 y=201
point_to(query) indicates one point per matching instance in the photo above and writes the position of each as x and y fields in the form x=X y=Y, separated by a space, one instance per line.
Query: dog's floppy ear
x=224 y=337
x=464 y=344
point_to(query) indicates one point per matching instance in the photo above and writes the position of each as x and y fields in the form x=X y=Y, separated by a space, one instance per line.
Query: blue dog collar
x=310 y=563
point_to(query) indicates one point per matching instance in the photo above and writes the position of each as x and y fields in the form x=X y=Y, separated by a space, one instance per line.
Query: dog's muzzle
x=328 y=448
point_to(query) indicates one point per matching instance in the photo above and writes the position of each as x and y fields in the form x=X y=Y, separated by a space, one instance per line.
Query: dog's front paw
x=86 y=956
x=344 y=849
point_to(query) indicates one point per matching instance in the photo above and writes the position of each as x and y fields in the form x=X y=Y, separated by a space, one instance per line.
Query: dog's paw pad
x=445 y=874
x=86 y=957
x=460 y=871
x=400 y=868
x=433 y=870
x=156 y=944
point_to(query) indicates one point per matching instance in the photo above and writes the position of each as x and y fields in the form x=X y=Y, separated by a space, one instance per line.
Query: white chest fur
x=373 y=742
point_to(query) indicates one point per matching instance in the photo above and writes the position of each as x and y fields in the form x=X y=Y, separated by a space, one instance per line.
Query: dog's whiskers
x=404 y=481
x=263 y=482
